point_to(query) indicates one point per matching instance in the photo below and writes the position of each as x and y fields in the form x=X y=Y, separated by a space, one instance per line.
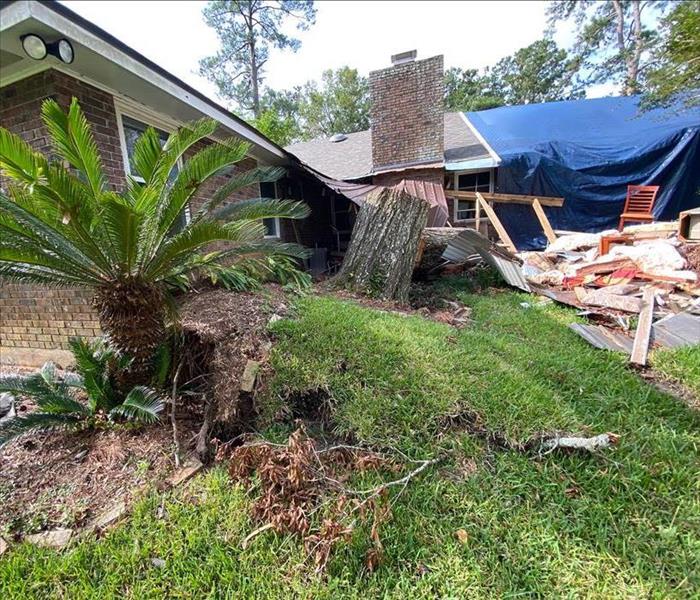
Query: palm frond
x=142 y=404
x=19 y=161
x=263 y=208
x=50 y=236
x=178 y=143
x=192 y=238
x=205 y=164
x=147 y=153
x=236 y=183
x=73 y=140
x=18 y=426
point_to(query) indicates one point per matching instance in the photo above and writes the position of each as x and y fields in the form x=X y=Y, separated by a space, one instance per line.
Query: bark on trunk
x=132 y=315
x=384 y=244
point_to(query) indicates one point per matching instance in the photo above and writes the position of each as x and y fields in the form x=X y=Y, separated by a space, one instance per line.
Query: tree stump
x=384 y=244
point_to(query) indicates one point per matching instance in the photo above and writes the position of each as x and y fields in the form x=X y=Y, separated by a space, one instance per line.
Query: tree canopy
x=613 y=41
x=675 y=70
x=540 y=72
x=247 y=30
x=338 y=104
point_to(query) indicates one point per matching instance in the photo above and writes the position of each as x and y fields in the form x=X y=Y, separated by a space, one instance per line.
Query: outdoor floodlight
x=63 y=50
x=36 y=48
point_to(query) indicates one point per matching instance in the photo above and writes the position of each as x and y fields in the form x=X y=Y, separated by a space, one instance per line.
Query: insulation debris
x=646 y=271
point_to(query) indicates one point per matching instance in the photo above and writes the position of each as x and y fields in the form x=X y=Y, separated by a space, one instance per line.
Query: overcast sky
x=360 y=34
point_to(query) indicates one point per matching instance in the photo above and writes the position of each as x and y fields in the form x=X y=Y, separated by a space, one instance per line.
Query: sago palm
x=78 y=400
x=61 y=225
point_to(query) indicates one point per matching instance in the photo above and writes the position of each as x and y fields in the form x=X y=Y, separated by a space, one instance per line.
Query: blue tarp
x=588 y=151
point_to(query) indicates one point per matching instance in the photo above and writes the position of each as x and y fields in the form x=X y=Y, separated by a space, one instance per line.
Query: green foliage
x=540 y=72
x=63 y=226
x=619 y=524
x=614 y=40
x=675 y=64
x=338 y=104
x=247 y=30
x=468 y=90
x=81 y=399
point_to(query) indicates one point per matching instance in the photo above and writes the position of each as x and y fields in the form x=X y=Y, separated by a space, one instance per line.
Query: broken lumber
x=607 y=300
x=496 y=222
x=506 y=198
x=544 y=221
x=384 y=244
x=640 y=348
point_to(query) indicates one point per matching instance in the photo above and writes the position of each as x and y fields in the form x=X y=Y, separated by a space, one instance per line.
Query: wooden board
x=496 y=222
x=506 y=198
x=640 y=348
x=605 y=299
x=544 y=221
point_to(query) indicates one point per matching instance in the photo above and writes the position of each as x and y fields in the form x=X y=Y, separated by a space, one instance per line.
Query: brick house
x=411 y=138
x=576 y=157
x=121 y=93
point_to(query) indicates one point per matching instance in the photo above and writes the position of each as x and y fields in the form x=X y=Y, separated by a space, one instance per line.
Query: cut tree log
x=384 y=245
x=433 y=242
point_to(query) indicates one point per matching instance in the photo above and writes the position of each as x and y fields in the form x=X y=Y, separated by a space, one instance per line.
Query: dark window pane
x=475 y=182
x=271 y=227
x=132 y=131
x=267 y=189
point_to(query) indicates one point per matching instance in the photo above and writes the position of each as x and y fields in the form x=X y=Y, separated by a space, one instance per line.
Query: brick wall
x=407 y=113
x=36 y=322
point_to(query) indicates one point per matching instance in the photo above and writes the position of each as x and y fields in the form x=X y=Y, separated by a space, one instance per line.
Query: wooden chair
x=640 y=201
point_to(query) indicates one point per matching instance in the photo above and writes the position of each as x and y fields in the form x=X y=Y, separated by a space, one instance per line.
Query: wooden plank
x=544 y=221
x=496 y=222
x=640 y=348
x=506 y=198
x=602 y=298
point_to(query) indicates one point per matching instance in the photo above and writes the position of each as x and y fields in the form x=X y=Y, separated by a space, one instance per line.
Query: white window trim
x=278 y=230
x=140 y=113
x=455 y=184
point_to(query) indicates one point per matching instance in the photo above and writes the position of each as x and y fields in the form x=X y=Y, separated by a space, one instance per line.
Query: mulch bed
x=64 y=479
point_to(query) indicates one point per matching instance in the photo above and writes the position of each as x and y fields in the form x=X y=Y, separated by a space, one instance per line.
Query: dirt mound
x=225 y=347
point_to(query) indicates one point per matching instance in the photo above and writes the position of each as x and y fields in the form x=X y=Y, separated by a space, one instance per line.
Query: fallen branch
x=253 y=534
x=173 y=420
x=590 y=444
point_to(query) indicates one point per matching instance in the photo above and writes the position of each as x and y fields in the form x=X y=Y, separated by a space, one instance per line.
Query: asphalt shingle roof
x=352 y=158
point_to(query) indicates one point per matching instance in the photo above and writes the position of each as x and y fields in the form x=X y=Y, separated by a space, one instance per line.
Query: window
x=131 y=129
x=466 y=210
x=268 y=189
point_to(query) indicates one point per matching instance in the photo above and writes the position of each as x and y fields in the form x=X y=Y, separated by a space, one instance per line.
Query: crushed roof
x=352 y=158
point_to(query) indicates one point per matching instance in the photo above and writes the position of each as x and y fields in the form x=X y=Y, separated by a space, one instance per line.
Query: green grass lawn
x=622 y=524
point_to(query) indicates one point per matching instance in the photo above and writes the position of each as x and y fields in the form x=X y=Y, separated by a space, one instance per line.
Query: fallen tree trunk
x=433 y=242
x=384 y=243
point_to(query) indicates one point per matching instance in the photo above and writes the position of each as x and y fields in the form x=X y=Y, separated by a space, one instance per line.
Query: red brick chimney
x=407 y=112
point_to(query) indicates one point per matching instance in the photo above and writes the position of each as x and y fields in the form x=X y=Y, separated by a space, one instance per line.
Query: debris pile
x=644 y=274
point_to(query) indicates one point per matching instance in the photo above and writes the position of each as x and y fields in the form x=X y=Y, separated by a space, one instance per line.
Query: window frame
x=477 y=208
x=278 y=226
x=149 y=119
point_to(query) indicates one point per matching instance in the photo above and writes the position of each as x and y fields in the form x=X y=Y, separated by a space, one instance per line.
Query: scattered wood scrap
x=646 y=270
x=641 y=338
